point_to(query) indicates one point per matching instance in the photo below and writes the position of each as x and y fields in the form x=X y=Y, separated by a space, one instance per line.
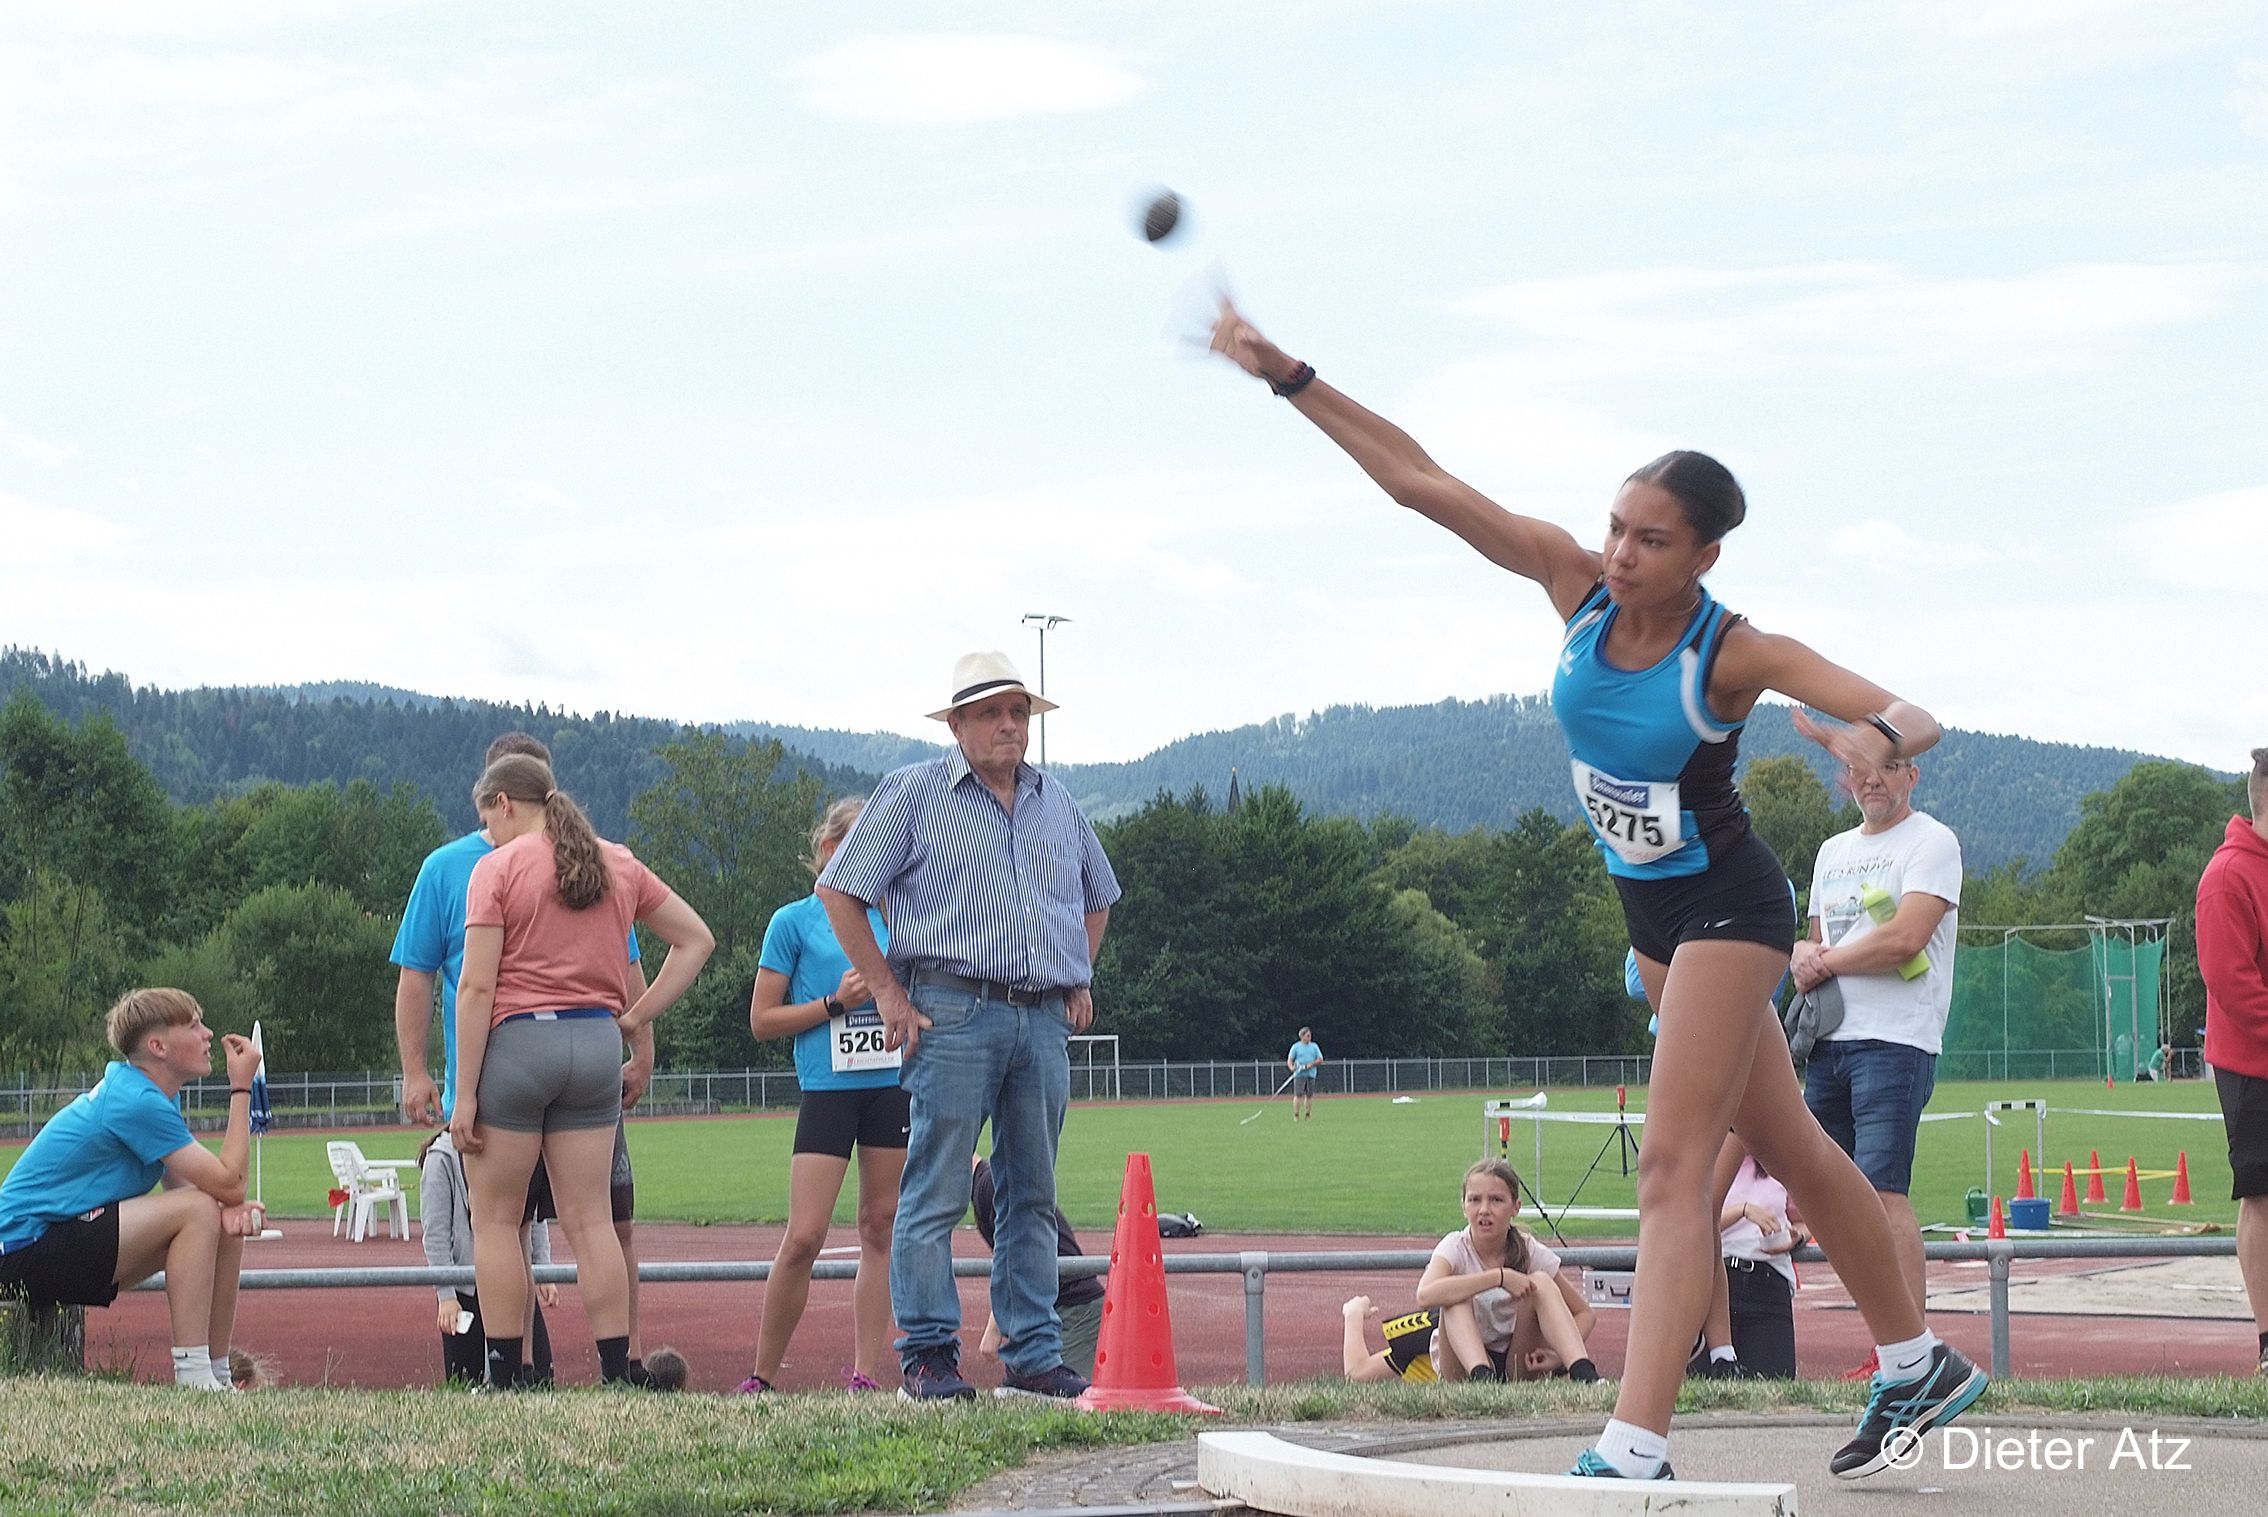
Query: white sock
x=1901 y=1362
x=193 y=1368
x=1635 y=1452
x=224 y=1376
x=1722 y=1354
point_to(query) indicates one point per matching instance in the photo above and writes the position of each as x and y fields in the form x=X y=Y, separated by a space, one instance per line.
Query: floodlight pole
x=1043 y=622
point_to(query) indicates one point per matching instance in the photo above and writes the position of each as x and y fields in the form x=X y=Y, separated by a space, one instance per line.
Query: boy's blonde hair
x=138 y=1013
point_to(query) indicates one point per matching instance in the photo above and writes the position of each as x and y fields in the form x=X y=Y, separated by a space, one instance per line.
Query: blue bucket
x=2029 y=1214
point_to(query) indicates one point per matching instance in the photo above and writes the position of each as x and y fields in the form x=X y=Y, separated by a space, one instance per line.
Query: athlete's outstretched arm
x=1538 y=550
x=1753 y=662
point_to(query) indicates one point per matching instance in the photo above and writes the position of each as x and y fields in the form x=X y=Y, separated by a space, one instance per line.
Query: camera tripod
x=1621 y=1141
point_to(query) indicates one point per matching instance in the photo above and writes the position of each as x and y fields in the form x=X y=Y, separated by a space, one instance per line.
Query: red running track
x=385 y=1337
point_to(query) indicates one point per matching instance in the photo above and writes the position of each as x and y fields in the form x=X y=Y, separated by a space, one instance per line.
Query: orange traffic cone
x=1999 y=1227
x=2096 y=1195
x=2024 y=1191
x=2133 y=1201
x=2181 y=1181
x=1134 y=1369
x=2069 y=1205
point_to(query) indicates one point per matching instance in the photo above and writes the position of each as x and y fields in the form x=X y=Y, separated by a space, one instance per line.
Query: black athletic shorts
x=621 y=1186
x=2244 y=1111
x=831 y=1121
x=1743 y=897
x=74 y=1263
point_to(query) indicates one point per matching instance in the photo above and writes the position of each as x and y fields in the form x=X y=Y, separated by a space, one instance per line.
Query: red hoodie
x=2232 y=951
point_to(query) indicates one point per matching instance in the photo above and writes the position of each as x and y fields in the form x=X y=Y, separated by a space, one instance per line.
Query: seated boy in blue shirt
x=77 y=1217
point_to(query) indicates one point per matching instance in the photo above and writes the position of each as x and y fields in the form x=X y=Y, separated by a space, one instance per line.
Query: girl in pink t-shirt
x=542 y=1010
x=1506 y=1309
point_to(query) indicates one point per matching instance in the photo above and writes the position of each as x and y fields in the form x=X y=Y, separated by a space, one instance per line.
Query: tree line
x=1239 y=923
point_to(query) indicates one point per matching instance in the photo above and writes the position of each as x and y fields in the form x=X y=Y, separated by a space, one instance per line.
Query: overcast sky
x=711 y=362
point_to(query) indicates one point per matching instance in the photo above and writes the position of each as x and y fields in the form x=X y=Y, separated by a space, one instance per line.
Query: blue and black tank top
x=1653 y=766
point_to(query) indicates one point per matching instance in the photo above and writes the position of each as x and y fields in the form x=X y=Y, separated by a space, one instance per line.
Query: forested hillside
x=1453 y=765
x=278 y=901
x=1463 y=764
x=204 y=744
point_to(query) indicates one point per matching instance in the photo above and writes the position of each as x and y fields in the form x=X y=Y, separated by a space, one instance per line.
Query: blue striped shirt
x=975 y=889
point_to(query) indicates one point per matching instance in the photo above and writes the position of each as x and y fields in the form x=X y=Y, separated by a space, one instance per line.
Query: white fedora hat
x=977 y=675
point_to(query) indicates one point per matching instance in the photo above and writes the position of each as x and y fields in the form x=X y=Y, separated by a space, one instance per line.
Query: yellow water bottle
x=1881 y=905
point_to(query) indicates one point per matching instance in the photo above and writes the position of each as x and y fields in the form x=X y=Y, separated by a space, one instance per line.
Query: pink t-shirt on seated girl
x=555 y=958
x=1498 y=1310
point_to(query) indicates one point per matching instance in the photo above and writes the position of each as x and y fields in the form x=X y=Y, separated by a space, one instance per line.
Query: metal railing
x=1255 y=1265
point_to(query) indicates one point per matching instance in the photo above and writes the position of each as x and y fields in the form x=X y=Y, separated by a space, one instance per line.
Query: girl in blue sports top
x=807 y=989
x=1653 y=683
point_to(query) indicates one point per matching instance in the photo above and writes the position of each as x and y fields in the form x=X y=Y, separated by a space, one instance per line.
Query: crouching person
x=77 y=1219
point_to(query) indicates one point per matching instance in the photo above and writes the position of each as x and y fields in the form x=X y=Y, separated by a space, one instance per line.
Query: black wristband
x=238 y=1090
x=1881 y=724
x=831 y=1006
x=1301 y=377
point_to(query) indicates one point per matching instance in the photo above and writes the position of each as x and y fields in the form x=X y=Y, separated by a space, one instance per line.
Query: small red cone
x=2133 y=1201
x=1999 y=1228
x=2024 y=1191
x=1134 y=1369
x=2096 y=1195
x=2069 y=1205
x=2110 y=1081
x=2181 y=1181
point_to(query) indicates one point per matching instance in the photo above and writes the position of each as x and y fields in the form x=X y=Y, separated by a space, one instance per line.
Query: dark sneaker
x=1591 y=1464
x=1061 y=1383
x=1898 y=1414
x=1728 y=1369
x=934 y=1374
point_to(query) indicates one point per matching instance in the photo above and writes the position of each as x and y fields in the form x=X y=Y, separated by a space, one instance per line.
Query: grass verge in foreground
x=84 y=1446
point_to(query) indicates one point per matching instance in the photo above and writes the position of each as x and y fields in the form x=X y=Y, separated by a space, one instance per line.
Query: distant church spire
x=1235 y=798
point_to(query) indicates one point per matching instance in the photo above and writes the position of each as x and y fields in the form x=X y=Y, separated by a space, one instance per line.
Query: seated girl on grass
x=1506 y=1309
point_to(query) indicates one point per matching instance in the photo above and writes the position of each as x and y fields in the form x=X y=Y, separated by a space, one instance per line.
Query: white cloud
x=1890 y=546
x=2250 y=98
x=952 y=79
x=42 y=536
x=1850 y=317
x=82 y=121
x=478 y=207
x=2209 y=542
x=37 y=451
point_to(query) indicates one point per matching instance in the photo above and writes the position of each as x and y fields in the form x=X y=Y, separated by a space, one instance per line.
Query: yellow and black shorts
x=1409 y=1346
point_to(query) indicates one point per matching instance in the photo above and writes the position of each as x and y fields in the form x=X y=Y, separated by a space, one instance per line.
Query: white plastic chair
x=369 y=1185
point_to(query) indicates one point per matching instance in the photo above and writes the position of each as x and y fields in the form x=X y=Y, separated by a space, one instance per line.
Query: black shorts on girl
x=1743 y=897
x=832 y=1121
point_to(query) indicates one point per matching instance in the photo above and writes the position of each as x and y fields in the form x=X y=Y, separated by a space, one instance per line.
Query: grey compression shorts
x=545 y=1074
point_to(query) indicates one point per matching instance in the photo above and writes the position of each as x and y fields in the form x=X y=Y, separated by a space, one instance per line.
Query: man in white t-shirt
x=1885 y=901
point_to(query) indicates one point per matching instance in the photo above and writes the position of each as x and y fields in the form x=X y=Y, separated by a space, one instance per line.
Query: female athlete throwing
x=1654 y=682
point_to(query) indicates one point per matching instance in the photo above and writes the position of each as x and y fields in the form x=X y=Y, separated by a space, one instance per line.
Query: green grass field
x=1366 y=1165
x=79 y=1446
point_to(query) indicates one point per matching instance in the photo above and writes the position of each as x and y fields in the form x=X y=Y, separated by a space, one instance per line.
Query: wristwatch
x=833 y=1007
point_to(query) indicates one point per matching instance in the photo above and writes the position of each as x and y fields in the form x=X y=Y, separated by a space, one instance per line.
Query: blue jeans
x=1869 y=1096
x=981 y=1060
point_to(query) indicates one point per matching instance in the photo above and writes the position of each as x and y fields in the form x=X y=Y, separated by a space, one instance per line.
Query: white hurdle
x=1268 y=1474
x=1497 y=1115
x=2038 y=1109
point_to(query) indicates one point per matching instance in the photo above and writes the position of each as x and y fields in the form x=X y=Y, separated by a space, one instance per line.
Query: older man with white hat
x=998 y=897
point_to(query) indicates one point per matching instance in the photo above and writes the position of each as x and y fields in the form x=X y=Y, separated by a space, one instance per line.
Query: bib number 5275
x=1638 y=819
